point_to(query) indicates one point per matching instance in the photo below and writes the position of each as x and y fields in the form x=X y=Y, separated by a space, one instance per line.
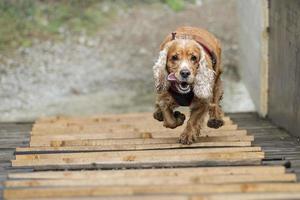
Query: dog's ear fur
x=205 y=78
x=160 y=72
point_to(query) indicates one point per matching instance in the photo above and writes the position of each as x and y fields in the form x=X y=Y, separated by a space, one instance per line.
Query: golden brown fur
x=184 y=53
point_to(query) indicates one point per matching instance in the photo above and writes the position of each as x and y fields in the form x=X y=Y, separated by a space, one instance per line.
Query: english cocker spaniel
x=187 y=73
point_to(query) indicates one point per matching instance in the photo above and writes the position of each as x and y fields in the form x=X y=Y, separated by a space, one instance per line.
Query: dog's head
x=182 y=62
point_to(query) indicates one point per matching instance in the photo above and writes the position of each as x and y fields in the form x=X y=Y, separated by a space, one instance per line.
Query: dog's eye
x=193 y=58
x=174 y=58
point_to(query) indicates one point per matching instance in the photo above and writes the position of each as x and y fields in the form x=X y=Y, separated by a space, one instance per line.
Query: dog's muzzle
x=180 y=86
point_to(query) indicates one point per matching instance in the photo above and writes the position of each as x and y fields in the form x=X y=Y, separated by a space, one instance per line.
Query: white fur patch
x=159 y=71
x=204 y=80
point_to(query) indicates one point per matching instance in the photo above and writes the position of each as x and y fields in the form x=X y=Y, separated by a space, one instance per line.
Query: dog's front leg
x=169 y=119
x=192 y=129
x=215 y=111
x=164 y=111
x=158 y=115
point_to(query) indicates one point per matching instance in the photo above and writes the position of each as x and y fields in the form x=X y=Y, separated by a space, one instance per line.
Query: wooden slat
x=76 y=126
x=131 y=141
x=247 y=196
x=137 y=159
x=145 y=180
x=231 y=196
x=126 y=147
x=97 y=142
x=136 y=197
x=105 y=118
x=160 y=172
x=36 y=139
x=117 y=154
x=108 y=119
x=122 y=128
x=153 y=189
x=119 y=122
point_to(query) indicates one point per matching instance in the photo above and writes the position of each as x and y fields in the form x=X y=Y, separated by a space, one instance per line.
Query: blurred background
x=85 y=57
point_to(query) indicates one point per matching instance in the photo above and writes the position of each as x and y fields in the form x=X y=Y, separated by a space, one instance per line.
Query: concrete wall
x=253 y=45
x=284 y=77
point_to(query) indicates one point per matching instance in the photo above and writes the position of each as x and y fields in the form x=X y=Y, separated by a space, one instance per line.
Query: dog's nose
x=185 y=73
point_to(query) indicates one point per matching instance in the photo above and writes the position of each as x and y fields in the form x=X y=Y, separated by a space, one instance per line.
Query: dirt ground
x=112 y=72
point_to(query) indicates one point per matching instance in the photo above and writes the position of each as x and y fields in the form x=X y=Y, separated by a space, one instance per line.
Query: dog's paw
x=171 y=125
x=179 y=118
x=187 y=138
x=215 y=123
x=158 y=116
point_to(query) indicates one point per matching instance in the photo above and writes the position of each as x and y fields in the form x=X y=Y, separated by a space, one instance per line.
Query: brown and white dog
x=187 y=73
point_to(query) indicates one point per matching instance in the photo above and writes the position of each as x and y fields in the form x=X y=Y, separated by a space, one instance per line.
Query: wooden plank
x=97 y=142
x=116 y=154
x=123 y=128
x=137 y=159
x=90 y=191
x=159 y=172
x=231 y=196
x=87 y=165
x=97 y=118
x=145 y=180
x=249 y=196
x=105 y=122
x=136 y=197
x=126 y=147
x=105 y=118
x=136 y=124
x=167 y=133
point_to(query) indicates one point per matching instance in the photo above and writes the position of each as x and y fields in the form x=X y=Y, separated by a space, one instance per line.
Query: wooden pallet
x=142 y=160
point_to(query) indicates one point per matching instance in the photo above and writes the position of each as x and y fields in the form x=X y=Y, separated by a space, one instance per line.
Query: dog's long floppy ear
x=205 y=78
x=160 y=72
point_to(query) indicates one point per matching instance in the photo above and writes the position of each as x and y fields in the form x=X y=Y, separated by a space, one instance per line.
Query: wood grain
x=93 y=191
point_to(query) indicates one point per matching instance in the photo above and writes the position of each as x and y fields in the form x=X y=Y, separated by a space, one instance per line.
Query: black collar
x=182 y=99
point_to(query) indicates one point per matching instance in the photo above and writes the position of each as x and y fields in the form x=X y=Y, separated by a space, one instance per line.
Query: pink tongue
x=171 y=77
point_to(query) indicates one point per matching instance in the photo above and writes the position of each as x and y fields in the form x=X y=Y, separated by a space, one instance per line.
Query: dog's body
x=187 y=73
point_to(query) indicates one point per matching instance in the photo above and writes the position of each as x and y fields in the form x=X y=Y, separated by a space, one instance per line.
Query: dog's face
x=182 y=63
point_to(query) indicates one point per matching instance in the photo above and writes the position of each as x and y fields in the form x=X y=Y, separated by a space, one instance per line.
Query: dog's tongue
x=171 y=77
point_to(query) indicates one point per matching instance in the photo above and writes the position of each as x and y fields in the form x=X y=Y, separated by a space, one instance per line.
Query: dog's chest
x=182 y=99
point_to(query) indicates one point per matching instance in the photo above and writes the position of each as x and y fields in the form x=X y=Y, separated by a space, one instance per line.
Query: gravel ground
x=112 y=72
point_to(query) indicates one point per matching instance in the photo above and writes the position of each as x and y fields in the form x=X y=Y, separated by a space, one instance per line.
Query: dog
x=187 y=73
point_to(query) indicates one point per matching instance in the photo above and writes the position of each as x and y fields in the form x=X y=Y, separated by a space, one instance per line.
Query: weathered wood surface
x=49 y=140
x=150 y=145
x=284 y=58
x=190 y=189
x=166 y=172
x=130 y=140
x=12 y=135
